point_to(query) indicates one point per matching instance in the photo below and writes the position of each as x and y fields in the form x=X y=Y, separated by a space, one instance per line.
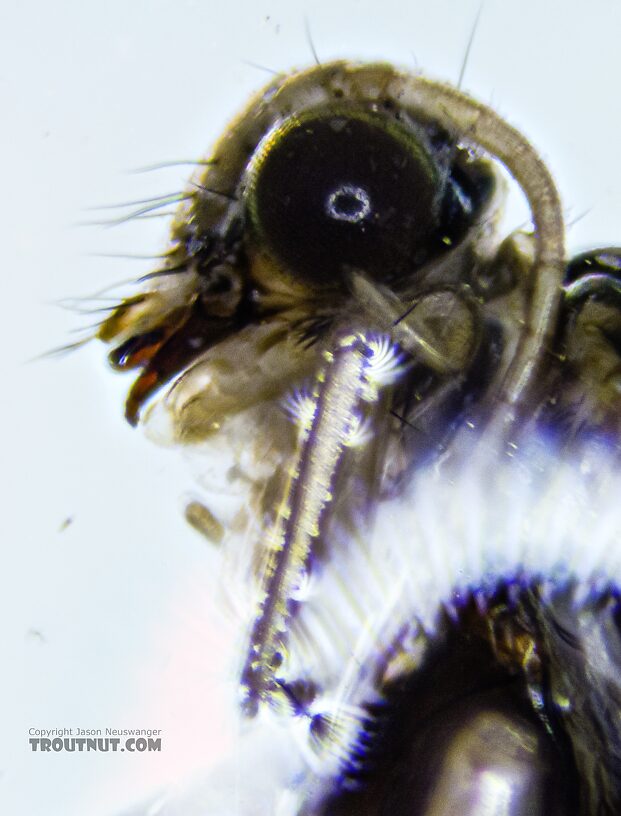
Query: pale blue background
x=89 y=91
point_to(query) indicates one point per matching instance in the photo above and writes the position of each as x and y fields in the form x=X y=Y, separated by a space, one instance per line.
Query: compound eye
x=334 y=192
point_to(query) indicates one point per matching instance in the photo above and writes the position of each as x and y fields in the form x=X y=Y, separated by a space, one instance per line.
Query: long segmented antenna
x=481 y=126
x=342 y=387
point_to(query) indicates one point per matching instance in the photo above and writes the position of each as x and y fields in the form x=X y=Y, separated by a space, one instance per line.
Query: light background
x=103 y=622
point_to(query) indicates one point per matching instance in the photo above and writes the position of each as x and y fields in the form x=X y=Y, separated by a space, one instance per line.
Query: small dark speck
x=65 y=523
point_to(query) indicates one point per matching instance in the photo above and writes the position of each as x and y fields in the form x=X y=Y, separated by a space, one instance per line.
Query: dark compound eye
x=341 y=191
